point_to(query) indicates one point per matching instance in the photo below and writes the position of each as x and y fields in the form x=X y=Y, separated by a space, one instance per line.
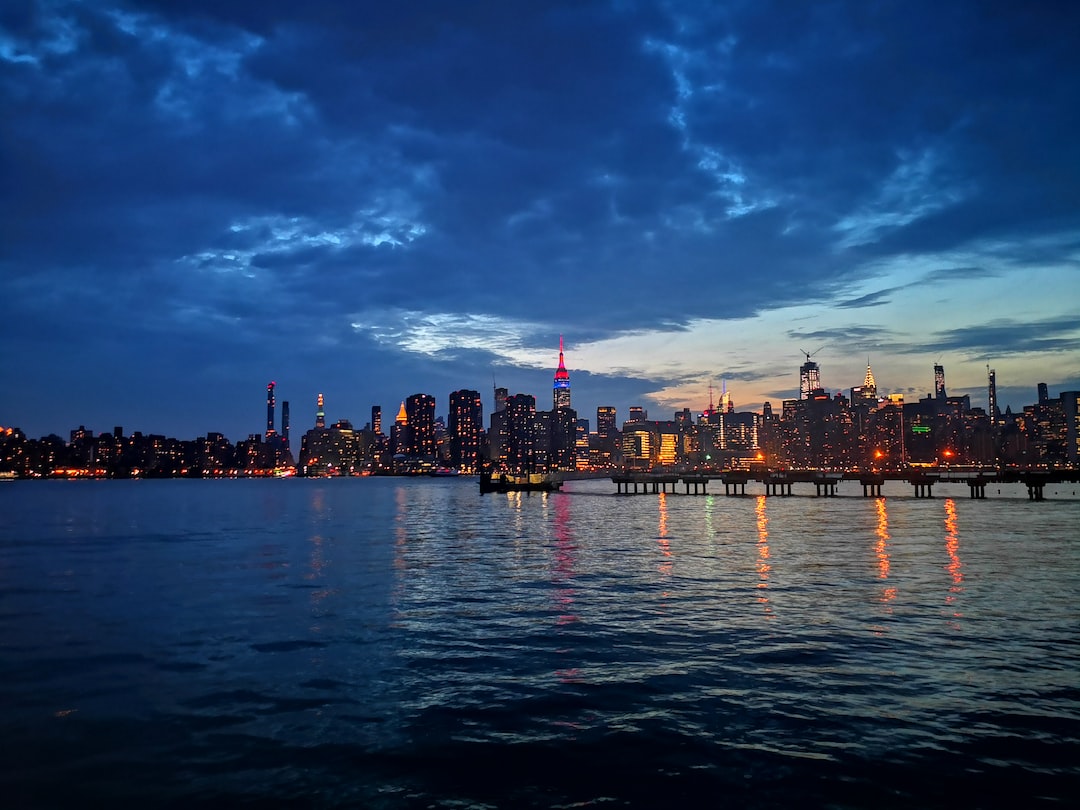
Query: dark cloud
x=216 y=190
x=874 y=299
x=1003 y=337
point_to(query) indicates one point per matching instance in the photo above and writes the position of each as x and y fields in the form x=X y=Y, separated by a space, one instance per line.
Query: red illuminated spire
x=561 y=373
x=561 y=388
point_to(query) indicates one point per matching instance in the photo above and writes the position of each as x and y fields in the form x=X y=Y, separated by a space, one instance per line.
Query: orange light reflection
x=662 y=532
x=952 y=547
x=763 y=565
x=887 y=593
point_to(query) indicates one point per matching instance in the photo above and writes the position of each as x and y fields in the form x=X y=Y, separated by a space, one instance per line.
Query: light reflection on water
x=763 y=566
x=409 y=631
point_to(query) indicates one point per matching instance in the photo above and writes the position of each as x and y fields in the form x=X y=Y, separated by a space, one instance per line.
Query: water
x=408 y=643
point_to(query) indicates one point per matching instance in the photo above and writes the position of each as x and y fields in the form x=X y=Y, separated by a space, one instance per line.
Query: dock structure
x=923 y=485
x=871 y=485
x=735 y=482
x=781 y=482
x=632 y=483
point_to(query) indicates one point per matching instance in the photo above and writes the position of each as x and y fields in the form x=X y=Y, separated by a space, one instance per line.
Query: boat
x=444 y=472
x=502 y=482
x=8 y=475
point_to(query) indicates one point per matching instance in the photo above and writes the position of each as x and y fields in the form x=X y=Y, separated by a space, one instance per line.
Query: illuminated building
x=637 y=445
x=520 y=455
x=465 y=422
x=285 y=422
x=556 y=433
x=331 y=451
x=809 y=378
x=637 y=414
x=865 y=394
x=581 y=444
x=270 y=410
x=320 y=416
x=1070 y=406
x=562 y=443
x=607 y=438
x=606 y=426
x=561 y=388
x=939 y=381
x=400 y=435
x=376 y=420
x=991 y=384
x=420 y=409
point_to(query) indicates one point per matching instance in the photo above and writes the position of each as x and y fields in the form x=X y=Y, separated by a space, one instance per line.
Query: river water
x=409 y=643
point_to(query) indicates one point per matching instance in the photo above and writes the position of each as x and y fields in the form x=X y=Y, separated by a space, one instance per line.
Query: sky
x=370 y=200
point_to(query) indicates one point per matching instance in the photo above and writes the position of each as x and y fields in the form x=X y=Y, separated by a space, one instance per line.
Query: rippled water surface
x=408 y=643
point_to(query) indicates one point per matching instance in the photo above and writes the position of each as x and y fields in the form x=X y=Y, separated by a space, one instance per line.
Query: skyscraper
x=606 y=426
x=1044 y=394
x=285 y=422
x=561 y=388
x=420 y=409
x=991 y=385
x=400 y=435
x=520 y=451
x=939 y=382
x=865 y=394
x=320 y=416
x=376 y=419
x=1070 y=405
x=270 y=409
x=465 y=421
x=809 y=377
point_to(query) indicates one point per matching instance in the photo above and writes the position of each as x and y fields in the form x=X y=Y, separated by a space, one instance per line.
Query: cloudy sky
x=371 y=200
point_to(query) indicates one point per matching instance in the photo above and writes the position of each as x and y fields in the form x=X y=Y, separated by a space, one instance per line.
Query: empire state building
x=561 y=388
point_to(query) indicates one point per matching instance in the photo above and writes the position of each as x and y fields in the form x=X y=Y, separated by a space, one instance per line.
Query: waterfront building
x=520 y=452
x=1070 y=407
x=420 y=409
x=562 y=429
x=400 y=433
x=604 y=444
x=320 y=415
x=497 y=432
x=333 y=451
x=582 y=456
x=465 y=422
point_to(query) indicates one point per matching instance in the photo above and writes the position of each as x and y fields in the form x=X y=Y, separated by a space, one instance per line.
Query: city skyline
x=369 y=202
x=278 y=425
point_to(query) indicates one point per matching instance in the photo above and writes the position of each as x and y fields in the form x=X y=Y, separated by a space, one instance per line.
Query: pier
x=782 y=482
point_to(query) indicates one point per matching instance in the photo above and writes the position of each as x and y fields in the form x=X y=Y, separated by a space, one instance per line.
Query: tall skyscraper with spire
x=320 y=415
x=869 y=384
x=561 y=388
x=809 y=377
x=991 y=385
x=939 y=381
x=270 y=409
